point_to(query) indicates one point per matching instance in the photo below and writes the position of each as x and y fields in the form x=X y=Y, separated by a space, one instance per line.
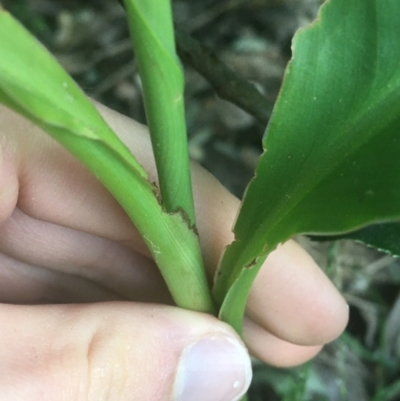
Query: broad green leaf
x=33 y=84
x=152 y=32
x=332 y=147
x=384 y=237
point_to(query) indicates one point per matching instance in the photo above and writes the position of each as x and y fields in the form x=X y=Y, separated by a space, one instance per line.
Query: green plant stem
x=152 y=32
x=175 y=251
x=235 y=298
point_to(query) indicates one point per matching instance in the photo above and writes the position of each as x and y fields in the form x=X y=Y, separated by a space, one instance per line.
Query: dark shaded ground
x=253 y=37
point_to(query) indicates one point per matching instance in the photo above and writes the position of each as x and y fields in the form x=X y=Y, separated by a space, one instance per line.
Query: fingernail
x=216 y=368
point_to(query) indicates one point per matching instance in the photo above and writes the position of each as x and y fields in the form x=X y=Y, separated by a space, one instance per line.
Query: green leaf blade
x=384 y=237
x=50 y=86
x=331 y=161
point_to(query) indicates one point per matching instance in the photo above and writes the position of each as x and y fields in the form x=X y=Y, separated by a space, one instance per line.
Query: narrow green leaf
x=331 y=161
x=49 y=87
x=33 y=84
x=152 y=32
x=384 y=237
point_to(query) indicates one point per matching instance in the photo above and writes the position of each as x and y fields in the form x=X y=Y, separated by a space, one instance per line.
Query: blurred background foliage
x=90 y=39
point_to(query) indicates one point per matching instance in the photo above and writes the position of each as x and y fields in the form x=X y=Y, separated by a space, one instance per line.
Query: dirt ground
x=90 y=39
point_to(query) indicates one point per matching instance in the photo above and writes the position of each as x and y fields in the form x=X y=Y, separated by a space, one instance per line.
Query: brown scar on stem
x=185 y=218
x=157 y=193
x=180 y=211
x=252 y=263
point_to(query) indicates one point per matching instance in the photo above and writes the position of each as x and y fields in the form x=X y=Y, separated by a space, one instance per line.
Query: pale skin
x=65 y=245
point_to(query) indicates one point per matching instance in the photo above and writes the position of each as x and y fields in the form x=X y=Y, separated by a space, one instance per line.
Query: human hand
x=85 y=314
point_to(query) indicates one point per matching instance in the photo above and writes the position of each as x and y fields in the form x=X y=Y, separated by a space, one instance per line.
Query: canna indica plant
x=331 y=161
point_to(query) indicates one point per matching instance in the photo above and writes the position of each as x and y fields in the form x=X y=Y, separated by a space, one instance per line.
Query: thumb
x=118 y=352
